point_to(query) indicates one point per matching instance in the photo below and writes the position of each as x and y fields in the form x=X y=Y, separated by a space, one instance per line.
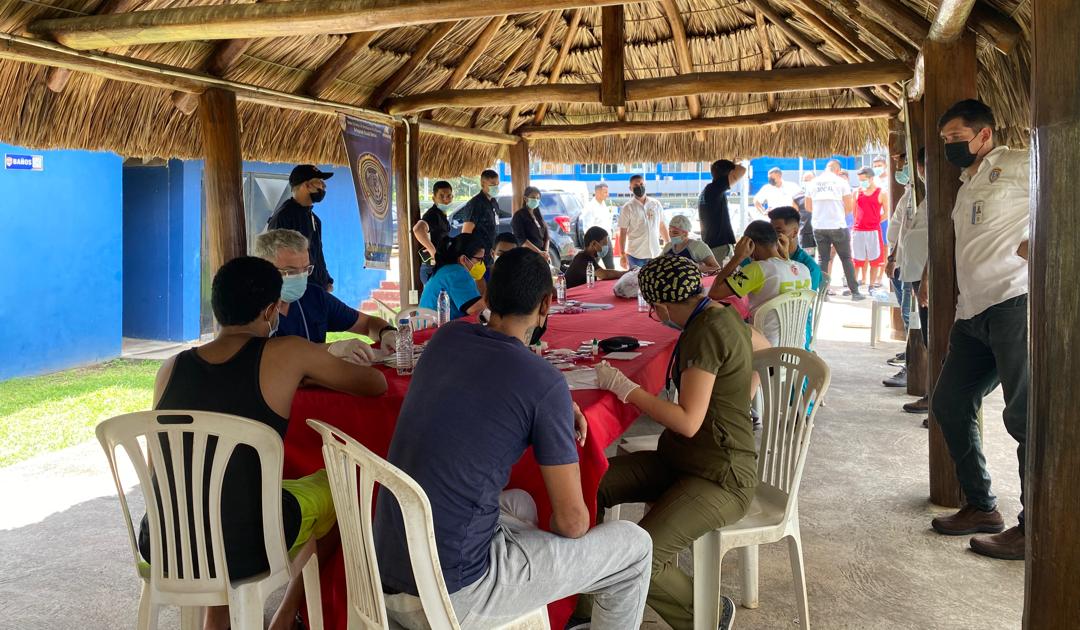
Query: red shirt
x=868 y=211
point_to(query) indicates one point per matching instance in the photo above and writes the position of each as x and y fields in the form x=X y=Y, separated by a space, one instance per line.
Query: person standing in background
x=481 y=214
x=866 y=242
x=528 y=224
x=597 y=213
x=713 y=209
x=777 y=193
x=308 y=186
x=828 y=198
x=641 y=226
x=806 y=225
x=433 y=227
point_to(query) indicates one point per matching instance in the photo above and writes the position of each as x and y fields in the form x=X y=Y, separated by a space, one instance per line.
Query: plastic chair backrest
x=793 y=381
x=176 y=508
x=793 y=311
x=420 y=317
x=388 y=310
x=353 y=471
x=819 y=306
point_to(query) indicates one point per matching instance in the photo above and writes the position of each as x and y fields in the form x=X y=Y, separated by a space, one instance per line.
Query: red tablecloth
x=371 y=420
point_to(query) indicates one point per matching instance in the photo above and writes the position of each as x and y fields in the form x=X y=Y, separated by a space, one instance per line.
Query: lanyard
x=673 y=372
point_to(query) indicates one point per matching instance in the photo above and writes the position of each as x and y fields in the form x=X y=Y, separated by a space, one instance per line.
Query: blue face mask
x=532 y=203
x=293 y=287
x=445 y=207
x=678 y=240
x=903 y=177
x=605 y=251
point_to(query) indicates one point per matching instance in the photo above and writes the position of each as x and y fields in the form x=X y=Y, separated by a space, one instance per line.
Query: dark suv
x=559 y=209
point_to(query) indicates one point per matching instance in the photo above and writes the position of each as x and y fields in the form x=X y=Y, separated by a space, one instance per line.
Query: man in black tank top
x=245 y=373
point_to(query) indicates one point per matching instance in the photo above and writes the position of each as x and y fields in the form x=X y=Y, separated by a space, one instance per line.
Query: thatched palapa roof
x=92 y=112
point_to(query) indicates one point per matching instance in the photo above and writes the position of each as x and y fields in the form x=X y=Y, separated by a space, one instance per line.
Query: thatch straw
x=137 y=121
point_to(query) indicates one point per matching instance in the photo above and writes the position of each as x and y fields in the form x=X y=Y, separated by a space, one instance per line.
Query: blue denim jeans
x=634 y=263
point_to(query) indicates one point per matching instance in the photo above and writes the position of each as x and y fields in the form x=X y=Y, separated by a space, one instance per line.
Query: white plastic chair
x=420 y=317
x=140 y=435
x=792 y=382
x=353 y=471
x=793 y=310
x=819 y=306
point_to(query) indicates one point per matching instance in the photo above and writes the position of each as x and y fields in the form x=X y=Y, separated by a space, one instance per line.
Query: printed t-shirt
x=827 y=192
x=762 y=280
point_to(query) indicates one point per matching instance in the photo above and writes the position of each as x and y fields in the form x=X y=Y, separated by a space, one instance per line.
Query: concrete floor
x=871 y=559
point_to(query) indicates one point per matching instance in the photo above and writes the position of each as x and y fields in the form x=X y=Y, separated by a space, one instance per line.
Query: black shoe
x=857 y=297
x=921 y=405
x=896 y=380
x=926 y=423
x=900 y=360
x=727 y=612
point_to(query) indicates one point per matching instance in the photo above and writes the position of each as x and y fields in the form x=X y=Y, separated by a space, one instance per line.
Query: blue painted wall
x=61 y=299
x=162 y=223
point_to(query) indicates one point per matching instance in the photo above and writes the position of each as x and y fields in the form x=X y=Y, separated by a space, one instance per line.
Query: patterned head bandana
x=669 y=279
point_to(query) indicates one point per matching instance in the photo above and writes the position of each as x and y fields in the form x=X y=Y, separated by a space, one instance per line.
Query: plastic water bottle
x=642 y=305
x=444 y=308
x=560 y=288
x=404 y=358
x=590 y=275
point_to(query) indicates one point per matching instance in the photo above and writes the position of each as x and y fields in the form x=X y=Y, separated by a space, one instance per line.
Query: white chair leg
x=146 y=609
x=795 y=551
x=613 y=514
x=707 y=582
x=246 y=608
x=191 y=617
x=313 y=593
x=748 y=565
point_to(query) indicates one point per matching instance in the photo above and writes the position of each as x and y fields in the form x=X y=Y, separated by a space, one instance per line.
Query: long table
x=372 y=420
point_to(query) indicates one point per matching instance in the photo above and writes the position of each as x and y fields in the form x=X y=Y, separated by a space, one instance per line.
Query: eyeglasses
x=652 y=314
x=289 y=272
x=476 y=259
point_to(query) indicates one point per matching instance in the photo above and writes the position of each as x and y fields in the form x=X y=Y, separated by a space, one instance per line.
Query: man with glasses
x=310 y=311
x=308 y=186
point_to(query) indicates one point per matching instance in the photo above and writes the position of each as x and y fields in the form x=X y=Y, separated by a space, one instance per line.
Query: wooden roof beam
x=1001 y=30
x=226 y=54
x=560 y=62
x=534 y=67
x=872 y=32
x=682 y=49
x=281 y=19
x=508 y=69
x=809 y=47
x=613 y=58
x=472 y=55
x=766 y=54
x=417 y=57
x=334 y=65
x=757 y=82
x=595 y=130
x=58 y=78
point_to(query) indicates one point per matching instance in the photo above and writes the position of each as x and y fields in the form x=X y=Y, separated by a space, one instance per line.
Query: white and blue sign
x=14 y=162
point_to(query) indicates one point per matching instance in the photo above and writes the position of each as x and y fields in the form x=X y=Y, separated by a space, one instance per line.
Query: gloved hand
x=353 y=351
x=614 y=381
x=388 y=340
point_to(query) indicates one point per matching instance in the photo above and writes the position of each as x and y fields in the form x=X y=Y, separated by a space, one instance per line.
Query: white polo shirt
x=642 y=223
x=827 y=192
x=595 y=213
x=776 y=196
x=990 y=218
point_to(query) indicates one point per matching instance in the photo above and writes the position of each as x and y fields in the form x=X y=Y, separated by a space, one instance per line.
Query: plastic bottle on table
x=404 y=358
x=444 y=308
x=590 y=275
x=560 y=288
x=642 y=305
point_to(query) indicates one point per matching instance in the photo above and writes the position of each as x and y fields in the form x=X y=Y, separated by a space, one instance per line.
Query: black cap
x=306 y=172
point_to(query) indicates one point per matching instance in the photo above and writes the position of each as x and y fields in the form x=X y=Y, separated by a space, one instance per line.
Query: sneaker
x=577 y=623
x=969 y=520
x=846 y=292
x=900 y=360
x=857 y=297
x=1008 y=545
x=896 y=380
x=727 y=612
x=921 y=405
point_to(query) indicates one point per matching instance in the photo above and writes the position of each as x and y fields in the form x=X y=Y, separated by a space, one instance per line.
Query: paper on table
x=582 y=379
x=590 y=306
x=622 y=356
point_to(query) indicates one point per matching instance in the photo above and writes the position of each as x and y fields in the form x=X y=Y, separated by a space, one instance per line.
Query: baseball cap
x=306 y=172
x=869 y=172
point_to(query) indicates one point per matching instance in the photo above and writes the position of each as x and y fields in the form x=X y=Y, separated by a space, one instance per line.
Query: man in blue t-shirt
x=459 y=441
x=785 y=220
x=309 y=311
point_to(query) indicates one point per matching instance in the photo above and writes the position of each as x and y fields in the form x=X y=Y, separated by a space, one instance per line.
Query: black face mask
x=639 y=191
x=318 y=196
x=537 y=333
x=959 y=153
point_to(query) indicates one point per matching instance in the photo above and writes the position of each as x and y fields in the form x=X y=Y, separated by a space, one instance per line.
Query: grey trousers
x=531 y=568
x=840 y=239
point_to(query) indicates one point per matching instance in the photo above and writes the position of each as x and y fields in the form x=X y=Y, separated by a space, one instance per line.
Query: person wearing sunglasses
x=703 y=473
x=459 y=268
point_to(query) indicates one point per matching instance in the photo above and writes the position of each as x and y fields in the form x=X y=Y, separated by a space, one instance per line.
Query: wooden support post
x=918 y=378
x=613 y=52
x=519 y=171
x=1052 y=587
x=222 y=173
x=950 y=77
x=414 y=205
x=404 y=164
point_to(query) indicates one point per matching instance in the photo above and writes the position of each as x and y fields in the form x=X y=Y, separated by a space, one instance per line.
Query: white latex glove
x=614 y=381
x=388 y=340
x=353 y=351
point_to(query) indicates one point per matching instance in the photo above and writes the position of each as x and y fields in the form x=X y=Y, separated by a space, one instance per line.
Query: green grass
x=40 y=414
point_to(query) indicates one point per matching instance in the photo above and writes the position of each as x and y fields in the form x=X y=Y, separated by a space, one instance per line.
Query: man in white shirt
x=828 y=200
x=776 y=193
x=598 y=214
x=641 y=226
x=988 y=343
x=881 y=171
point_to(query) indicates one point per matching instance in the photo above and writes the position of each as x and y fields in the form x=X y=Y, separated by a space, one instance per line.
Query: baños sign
x=14 y=162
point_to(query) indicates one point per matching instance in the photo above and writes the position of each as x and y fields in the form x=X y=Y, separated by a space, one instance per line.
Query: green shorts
x=317 y=515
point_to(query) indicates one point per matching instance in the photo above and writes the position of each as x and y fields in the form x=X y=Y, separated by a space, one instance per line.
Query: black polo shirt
x=483 y=212
x=290 y=215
